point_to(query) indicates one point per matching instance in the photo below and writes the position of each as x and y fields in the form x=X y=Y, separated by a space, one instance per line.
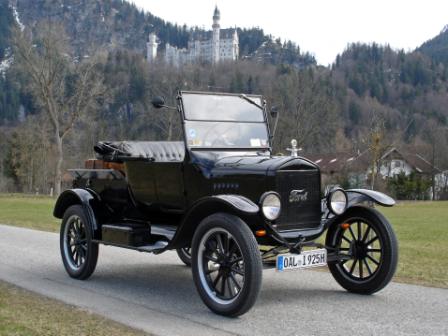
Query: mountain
x=408 y=90
x=437 y=47
x=370 y=87
x=114 y=24
x=6 y=21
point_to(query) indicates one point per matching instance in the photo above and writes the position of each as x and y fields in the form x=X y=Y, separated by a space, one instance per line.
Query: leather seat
x=159 y=151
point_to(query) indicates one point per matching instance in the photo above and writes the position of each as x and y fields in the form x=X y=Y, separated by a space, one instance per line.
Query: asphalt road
x=157 y=294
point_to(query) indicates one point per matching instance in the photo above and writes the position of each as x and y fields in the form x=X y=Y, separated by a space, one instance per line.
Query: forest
x=401 y=95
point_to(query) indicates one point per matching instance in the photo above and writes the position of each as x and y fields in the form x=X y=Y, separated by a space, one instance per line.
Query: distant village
x=357 y=171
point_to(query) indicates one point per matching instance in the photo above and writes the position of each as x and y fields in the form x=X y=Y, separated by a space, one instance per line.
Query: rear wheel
x=184 y=254
x=226 y=264
x=79 y=253
x=367 y=238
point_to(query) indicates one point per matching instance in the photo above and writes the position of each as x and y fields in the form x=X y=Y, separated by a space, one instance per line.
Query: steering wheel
x=222 y=139
x=209 y=130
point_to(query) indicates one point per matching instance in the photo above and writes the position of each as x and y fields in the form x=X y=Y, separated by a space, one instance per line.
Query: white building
x=441 y=184
x=213 y=46
x=394 y=163
x=151 y=48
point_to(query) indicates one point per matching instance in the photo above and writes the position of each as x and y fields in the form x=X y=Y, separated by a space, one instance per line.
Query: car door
x=169 y=184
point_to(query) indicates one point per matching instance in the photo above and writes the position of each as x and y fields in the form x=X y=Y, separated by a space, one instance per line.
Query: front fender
x=234 y=204
x=358 y=196
x=76 y=196
x=239 y=203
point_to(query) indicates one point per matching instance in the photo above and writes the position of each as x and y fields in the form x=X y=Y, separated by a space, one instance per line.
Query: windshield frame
x=265 y=121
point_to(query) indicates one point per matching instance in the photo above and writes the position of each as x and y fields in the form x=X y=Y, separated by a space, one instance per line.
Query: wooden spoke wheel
x=371 y=247
x=79 y=253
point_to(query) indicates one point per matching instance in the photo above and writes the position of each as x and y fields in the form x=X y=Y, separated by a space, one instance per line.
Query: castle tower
x=151 y=48
x=235 y=45
x=215 y=36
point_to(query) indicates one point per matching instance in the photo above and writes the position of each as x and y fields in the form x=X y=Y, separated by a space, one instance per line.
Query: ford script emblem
x=298 y=196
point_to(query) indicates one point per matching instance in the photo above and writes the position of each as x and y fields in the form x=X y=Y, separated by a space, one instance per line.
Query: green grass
x=422 y=232
x=421 y=227
x=26 y=313
x=34 y=212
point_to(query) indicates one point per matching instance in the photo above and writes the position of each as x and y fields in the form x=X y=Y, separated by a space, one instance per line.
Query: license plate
x=307 y=259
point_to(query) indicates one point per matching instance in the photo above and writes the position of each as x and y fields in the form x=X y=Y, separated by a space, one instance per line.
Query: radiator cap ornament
x=294 y=150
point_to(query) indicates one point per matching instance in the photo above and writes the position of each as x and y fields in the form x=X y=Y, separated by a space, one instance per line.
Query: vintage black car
x=226 y=204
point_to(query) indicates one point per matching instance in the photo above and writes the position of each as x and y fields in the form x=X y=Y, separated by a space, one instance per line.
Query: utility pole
x=433 y=170
x=375 y=148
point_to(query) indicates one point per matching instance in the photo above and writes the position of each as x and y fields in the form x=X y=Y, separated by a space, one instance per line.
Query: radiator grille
x=302 y=213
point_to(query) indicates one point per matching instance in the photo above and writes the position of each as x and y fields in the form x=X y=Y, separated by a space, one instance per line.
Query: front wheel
x=79 y=253
x=366 y=238
x=226 y=264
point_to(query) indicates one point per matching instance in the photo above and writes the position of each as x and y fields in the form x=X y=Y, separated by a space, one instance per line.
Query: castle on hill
x=213 y=46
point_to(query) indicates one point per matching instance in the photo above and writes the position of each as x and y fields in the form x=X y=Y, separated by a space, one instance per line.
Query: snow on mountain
x=445 y=29
x=17 y=18
x=5 y=64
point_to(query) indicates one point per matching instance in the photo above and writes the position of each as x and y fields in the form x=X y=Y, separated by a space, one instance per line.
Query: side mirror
x=158 y=102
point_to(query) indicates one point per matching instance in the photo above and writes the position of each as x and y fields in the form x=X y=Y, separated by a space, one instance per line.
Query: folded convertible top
x=119 y=151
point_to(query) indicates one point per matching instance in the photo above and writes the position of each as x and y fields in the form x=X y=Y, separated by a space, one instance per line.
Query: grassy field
x=422 y=231
x=35 y=212
x=25 y=313
x=421 y=227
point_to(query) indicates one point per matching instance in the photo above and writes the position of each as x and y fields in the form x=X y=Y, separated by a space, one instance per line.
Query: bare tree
x=308 y=117
x=437 y=138
x=377 y=144
x=29 y=155
x=313 y=114
x=167 y=122
x=64 y=87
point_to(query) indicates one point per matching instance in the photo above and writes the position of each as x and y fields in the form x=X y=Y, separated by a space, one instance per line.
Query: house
x=355 y=170
x=393 y=163
x=343 y=168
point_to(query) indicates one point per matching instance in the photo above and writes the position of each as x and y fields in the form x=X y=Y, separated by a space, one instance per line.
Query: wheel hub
x=225 y=265
x=359 y=249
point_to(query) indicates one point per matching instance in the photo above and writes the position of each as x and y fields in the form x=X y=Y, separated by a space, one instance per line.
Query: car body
x=220 y=184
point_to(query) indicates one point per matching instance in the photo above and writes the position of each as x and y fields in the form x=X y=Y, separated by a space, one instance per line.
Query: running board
x=137 y=236
x=167 y=231
x=151 y=248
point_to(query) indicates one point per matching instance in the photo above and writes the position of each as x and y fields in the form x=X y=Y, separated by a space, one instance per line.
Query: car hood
x=251 y=164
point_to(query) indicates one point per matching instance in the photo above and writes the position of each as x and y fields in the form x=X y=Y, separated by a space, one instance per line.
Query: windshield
x=224 y=121
x=212 y=107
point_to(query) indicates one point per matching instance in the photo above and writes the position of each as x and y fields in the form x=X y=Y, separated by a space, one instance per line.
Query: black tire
x=372 y=245
x=225 y=252
x=79 y=253
x=185 y=255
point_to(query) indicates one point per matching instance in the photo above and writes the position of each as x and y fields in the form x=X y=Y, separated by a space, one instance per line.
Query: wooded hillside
x=404 y=96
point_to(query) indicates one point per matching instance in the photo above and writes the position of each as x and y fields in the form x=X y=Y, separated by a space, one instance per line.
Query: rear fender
x=234 y=204
x=82 y=197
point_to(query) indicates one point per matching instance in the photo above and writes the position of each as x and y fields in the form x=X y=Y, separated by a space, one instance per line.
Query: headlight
x=337 y=201
x=270 y=205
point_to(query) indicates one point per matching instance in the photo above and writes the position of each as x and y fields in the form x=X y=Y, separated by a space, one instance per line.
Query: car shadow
x=170 y=287
x=275 y=293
